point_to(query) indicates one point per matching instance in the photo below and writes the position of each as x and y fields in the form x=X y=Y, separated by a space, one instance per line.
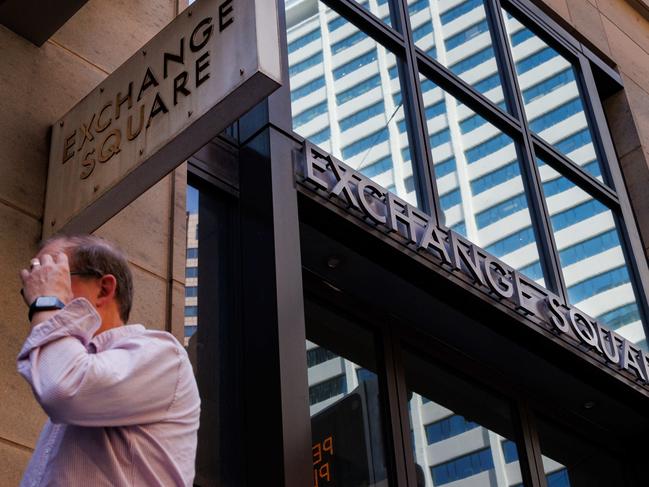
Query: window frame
x=413 y=61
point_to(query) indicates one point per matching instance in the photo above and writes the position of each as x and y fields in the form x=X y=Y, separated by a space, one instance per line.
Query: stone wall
x=620 y=30
x=37 y=86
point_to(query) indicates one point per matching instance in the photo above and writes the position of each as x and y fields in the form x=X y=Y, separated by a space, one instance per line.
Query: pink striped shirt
x=123 y=406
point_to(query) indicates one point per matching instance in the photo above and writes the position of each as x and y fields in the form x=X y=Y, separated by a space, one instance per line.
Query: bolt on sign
x=209 y=66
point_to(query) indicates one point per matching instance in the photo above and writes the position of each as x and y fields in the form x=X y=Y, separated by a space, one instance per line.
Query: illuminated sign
x=347 y=441
x=209 y=66
x=409 y=225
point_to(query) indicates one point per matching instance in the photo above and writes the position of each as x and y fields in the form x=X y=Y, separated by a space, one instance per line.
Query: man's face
x=82 y=286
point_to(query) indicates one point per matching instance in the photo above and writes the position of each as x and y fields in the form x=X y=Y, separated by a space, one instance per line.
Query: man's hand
x=49 y=275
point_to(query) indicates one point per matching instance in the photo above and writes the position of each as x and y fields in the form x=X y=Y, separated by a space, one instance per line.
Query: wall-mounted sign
x=209 y=66
x=323 y=173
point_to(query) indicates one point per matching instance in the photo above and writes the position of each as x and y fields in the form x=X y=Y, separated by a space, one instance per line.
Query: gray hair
x=96 y=256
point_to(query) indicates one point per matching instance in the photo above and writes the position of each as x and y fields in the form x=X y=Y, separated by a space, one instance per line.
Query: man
x=122 y=401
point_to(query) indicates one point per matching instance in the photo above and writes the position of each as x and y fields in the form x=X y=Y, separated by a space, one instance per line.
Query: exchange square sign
x=208 y=67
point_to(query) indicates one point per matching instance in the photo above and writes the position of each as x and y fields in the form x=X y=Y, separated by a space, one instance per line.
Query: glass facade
x=450 y=448
x=483 y=173
x=347 y=428
x=593 y=263
x=349 y=102
x=191 y=265
x=457 y=35
x=381 y=408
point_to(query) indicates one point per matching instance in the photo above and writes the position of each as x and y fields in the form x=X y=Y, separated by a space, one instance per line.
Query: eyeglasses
x=87 y=273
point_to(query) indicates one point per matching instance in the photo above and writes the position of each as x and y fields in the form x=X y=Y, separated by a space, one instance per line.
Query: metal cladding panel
x=209 y=66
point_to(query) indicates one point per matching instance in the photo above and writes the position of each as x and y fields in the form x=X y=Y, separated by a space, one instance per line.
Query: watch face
x=44 y=301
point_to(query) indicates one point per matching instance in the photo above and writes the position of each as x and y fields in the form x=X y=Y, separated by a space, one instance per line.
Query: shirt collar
x=108 y=337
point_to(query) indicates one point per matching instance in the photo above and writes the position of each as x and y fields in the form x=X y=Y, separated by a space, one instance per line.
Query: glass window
x=457 y=437
x=593 y=263
x=553 y=103
x=344 y=401
x=569 y=461
x=348 y=102
x=479 y=181
x=191 y=264
x=380 y=9
x=463 y=43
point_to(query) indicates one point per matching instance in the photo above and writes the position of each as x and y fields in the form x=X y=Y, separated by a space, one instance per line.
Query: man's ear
x=107 y=287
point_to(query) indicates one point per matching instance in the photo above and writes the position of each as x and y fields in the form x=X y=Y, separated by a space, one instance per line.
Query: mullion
x=549 y=254
x=574 y=173
x=544 y=26
x=369 y=24
x=464 y=93
x=421 y=151
x=625 y=221
x=573 y=55
x=398 y=415
x=532 y=454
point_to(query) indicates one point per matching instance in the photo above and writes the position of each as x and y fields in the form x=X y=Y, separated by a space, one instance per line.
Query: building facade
x=422 y=261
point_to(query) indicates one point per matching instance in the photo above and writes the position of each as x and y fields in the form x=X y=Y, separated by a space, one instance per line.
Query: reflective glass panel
x=479 y=181
x=593 y=264
x=462 y=435
x=553 y=105
x=569 y=461
x=346 y=98
x=344 y=402
x=191 y=265
x=380 y=8
x=456 y=34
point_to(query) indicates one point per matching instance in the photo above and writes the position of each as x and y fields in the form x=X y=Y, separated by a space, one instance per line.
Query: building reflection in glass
x=346 y=97
x=191 y=265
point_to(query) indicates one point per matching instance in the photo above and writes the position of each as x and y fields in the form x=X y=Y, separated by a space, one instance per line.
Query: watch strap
x=45 y=303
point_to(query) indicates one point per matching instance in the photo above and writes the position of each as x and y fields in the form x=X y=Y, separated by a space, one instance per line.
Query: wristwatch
x=45 y=303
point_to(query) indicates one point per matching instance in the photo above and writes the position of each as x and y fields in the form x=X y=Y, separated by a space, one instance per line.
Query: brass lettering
x=106 y=152
x=206 y=33
x=147 y=82
x=119 y=101
x=225 y=9
x=88 y=165
x=179 y=86
x=103 y=126
x=130 y=135
x=86 y=132
x=176 y=58
x=202 y=63
x=157 y=107
x=69 y=146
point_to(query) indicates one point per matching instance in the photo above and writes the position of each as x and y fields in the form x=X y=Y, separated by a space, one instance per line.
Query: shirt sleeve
x=133 y=382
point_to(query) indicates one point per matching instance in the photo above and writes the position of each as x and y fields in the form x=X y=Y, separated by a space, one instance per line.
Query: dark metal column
x=274 y=377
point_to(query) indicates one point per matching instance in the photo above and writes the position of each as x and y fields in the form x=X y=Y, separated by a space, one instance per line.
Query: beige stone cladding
x=37 y=86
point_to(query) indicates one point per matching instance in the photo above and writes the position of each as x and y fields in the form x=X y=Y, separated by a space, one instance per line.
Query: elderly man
x=122 y=401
